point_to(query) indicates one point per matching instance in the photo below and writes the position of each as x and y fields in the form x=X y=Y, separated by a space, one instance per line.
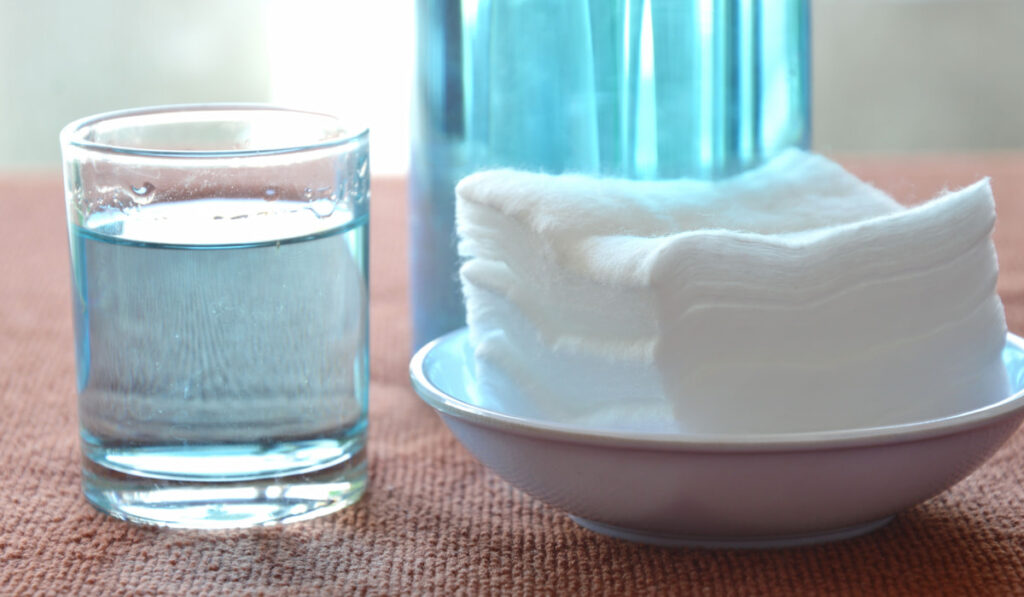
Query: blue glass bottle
x=640 y=89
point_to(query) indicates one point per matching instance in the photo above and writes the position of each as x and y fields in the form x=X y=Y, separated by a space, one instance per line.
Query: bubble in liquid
x=270 y=194
x=307 y=193
x=322 y=207
x=143 y=193
x=143 y=189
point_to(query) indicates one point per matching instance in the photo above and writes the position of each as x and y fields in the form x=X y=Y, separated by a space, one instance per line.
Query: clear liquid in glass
x=222 y=361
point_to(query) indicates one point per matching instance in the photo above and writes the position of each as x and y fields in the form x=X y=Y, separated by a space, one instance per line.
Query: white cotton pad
x=791 y=298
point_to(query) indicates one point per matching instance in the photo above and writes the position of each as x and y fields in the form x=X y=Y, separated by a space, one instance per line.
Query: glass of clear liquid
x=219 y=282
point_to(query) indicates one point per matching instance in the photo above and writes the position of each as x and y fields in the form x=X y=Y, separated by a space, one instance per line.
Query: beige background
x=889 y=75
x=918 y=75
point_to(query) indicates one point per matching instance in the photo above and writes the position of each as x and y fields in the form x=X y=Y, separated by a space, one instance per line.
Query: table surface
x=434 y=520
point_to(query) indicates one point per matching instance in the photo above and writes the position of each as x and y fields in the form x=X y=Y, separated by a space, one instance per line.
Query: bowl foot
x=729 y=542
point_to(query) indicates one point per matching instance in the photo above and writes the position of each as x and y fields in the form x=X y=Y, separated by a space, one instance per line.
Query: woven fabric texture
x=435 y=521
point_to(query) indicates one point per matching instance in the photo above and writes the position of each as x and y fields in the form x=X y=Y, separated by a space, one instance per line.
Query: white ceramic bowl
x=718 y=490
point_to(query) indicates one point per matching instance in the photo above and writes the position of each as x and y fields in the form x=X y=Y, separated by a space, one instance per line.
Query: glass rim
x=71 y=135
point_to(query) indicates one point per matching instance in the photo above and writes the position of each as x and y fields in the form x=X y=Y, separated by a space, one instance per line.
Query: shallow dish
x=718 y=490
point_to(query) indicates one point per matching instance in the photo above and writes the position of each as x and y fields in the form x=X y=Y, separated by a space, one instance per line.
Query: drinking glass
x=219 y=279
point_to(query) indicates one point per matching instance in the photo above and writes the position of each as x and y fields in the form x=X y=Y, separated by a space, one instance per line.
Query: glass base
x=210 y=504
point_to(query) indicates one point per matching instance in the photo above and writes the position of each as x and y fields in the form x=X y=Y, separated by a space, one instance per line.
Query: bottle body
x=641 y=89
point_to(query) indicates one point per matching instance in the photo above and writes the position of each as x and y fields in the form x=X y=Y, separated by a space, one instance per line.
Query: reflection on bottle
x=639 y=89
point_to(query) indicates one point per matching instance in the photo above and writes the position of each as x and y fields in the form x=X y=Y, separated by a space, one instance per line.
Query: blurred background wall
x=918 y=75
x=889 y=75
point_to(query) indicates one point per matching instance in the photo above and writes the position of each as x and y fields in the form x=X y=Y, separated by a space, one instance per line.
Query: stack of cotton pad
x=791 y=298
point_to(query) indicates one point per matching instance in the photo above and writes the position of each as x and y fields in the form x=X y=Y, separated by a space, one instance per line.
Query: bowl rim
x=450 y=406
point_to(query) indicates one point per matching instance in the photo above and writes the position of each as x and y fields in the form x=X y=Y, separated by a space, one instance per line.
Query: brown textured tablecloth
x=434 y=521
